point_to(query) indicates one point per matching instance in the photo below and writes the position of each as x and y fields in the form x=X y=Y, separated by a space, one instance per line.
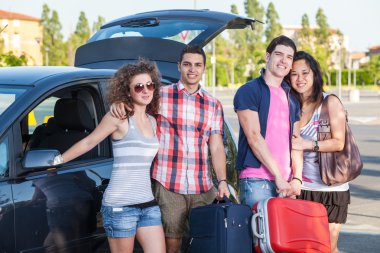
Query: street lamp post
x=213 y=62
x=349 y=70
x=340 y=70
x=355 y=66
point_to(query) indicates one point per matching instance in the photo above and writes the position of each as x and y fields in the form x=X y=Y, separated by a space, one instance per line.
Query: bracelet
x=296 y=178
x=225 y=180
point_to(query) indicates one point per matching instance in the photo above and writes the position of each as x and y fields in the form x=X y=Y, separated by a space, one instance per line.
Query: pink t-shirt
x=277 y=137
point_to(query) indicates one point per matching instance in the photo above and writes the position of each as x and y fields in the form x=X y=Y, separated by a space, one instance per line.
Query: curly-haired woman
x=129 y=209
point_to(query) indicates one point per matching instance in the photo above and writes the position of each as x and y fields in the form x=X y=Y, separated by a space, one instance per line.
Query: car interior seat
x=71 y=122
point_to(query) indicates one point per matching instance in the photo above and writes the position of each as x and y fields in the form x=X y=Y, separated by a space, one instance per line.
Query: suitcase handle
x=254 y=226
x=224 y=200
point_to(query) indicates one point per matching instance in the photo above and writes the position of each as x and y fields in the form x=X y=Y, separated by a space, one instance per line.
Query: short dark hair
x=317 y=93
x=193 y=49
x=281 y=40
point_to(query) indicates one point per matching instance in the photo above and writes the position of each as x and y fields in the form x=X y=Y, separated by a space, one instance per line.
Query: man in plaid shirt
x=190 y=123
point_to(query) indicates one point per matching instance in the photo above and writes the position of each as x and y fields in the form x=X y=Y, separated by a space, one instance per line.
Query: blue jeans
x=253 y=190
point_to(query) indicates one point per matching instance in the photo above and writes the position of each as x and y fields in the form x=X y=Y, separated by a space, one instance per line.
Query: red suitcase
x=290 y=225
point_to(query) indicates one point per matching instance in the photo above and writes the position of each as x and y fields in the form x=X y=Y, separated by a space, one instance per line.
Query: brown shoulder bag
x=340 y=166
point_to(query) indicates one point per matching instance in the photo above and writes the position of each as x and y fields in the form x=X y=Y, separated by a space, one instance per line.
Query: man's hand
x=282 y=186
x=295 y=185
x=222 y=190
x=118 y=110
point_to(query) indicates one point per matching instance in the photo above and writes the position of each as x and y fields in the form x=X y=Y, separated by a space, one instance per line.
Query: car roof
x=30 y=75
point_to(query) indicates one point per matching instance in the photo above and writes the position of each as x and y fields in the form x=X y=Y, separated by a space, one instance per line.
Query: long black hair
x=317 y=93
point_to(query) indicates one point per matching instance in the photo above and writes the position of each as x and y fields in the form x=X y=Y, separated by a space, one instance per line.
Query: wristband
x=296 y=178
x=225 y=180
x=58 y=160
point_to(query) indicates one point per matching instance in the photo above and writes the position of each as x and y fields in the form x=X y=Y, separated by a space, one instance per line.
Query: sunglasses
x=140 y=87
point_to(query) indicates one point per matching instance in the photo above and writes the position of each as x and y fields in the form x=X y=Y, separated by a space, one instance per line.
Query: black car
x=44 y=110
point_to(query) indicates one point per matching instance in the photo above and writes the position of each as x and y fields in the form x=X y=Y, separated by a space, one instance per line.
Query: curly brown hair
x=119 y=86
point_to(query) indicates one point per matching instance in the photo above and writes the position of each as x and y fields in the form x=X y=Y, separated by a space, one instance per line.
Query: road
x=361 y=233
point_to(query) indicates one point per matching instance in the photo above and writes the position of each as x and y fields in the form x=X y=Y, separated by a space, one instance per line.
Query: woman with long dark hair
x=306 y=81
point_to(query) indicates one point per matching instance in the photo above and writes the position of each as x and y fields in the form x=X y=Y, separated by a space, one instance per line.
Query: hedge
x=363 y=77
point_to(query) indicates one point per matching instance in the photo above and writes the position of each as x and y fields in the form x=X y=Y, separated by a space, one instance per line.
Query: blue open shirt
x=255 y=96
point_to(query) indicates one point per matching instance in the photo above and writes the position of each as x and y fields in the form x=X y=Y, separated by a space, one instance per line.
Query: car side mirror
x=39 y=159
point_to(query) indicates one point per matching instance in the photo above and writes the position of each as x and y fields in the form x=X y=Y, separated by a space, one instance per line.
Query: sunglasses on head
x=140 y=86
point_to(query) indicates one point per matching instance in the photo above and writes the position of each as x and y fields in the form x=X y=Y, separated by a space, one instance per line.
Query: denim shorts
x=252 y=190
x=124 y=221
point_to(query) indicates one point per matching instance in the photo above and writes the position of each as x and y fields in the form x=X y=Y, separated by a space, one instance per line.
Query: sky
x=359 y=20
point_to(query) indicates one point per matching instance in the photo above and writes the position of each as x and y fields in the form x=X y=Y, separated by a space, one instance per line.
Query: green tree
x=52 y=48
x=97 y=24
x=254 y=9
x=273 y=26
x=80 y=36
x=1 y=45
x=225 y=61
x=255 y=48
x=83 y=30
x=239 y=51
x=374 y=68
x=322 y=33
x=323 y=50
x=9 y=59
x=305 y=39
x=234 y=9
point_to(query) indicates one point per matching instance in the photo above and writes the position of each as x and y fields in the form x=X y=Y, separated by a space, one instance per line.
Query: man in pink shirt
x=269 y=116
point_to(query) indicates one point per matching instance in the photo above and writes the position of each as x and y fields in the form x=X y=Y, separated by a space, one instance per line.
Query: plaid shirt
x=185 y=124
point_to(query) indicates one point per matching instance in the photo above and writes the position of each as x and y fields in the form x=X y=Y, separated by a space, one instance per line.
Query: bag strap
x=224 y=200
x=324 y=118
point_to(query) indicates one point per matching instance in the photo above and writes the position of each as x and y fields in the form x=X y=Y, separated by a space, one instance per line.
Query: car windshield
x=177 y=30
x=9 y=95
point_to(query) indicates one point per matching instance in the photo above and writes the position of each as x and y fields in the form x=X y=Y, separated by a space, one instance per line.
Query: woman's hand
x=298 y=143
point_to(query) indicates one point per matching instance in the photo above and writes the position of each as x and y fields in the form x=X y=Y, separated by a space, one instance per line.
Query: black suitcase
x=221 y=227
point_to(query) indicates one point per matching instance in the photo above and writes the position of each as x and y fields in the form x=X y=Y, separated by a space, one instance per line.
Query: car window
x=64 y=118
x=41 y=114
x=4 y=158
x=178 y=30
x=8 y=96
